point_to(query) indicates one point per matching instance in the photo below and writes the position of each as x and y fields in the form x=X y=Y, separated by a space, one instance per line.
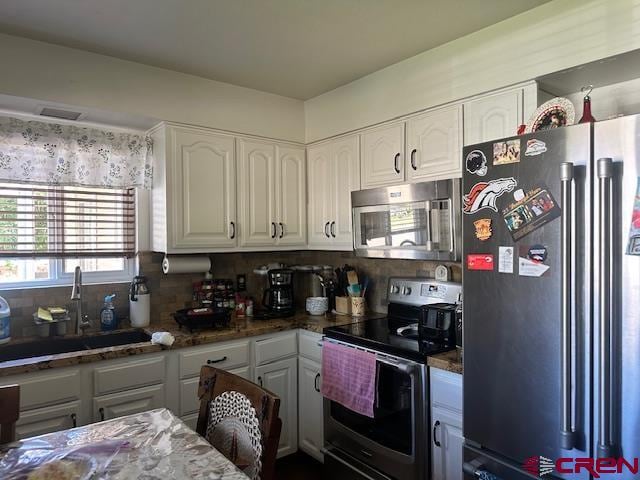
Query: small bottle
x=108 y=318
x=586 y=105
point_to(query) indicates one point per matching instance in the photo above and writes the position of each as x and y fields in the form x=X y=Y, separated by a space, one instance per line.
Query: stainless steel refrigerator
x=551 y=281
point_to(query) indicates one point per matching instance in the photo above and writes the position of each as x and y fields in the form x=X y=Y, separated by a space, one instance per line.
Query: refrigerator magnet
x=476 y=163
x=531 y=261
x=483 y=229
x=535 y=147
x=480 y=261
x=529 y=212
x=484 y=194
x=505 y=259
x=633 y=247
x=506 y=152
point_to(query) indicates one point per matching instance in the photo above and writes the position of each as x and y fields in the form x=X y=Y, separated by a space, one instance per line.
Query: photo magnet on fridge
x=480 y=261
x=530 y=211
x=535 y=147
x=531 y=261
x=476 y=163
x=483 y=229
x=506 y=152
x=633 y=247
x=484 y=194
x=505 y=259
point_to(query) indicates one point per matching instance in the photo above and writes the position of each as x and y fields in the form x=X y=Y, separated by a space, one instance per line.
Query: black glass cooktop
x=382 y=335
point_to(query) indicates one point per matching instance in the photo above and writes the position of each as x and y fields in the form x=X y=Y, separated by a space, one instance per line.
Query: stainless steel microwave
x=414 y=221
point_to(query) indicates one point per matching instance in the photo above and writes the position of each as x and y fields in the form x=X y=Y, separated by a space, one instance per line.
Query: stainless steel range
x=394 y=444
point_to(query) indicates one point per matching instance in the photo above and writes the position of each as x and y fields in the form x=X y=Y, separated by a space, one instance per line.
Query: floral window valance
x=54 y=154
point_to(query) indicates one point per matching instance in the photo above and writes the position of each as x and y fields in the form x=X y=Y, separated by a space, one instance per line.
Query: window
x=46 y=231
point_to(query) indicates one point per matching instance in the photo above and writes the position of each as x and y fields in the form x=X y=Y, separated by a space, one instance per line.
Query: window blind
x=63 y=222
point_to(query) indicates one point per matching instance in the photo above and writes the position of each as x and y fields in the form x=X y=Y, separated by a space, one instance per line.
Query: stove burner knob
x=395 y=289
x=406 y=290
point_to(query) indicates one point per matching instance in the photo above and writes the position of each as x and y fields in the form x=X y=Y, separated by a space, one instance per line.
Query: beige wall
x=53 y=73
x=552 y=37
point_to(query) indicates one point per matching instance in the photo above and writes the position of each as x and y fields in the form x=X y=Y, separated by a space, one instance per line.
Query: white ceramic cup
x=317 y=305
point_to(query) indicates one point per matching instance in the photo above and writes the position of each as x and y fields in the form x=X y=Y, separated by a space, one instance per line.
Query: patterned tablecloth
x=147 y=446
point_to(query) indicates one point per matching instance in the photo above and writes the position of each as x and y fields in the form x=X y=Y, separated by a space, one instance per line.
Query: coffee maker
x=278 y=298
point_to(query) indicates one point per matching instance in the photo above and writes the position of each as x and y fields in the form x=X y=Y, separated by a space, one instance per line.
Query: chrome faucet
x=76 y=297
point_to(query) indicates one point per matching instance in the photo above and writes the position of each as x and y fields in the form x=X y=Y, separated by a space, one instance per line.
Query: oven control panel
x=422 y=291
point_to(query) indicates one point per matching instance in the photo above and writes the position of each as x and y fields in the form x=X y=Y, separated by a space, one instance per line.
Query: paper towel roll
x=184 y=264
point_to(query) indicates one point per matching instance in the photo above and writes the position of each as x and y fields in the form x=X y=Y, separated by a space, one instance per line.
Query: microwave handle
x=429 y=242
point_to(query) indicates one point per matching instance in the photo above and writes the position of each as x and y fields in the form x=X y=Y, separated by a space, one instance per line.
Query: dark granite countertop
x=450 y=361
x=239 y=328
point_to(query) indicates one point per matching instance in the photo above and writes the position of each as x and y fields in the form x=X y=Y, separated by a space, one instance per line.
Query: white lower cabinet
x=310 y=425
x=128 y=402
x=446 y=425
x=281 y=377
x=63 y=398
x=48 y=419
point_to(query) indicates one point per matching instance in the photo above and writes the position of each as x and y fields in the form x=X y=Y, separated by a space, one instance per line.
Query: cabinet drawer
x=446 y=390
x=47 y=388
x=276 y=347
x=189 y=402
x=127 y=403
x=226 y=357
x=128 y=374
x=47 y=420
x=310 y=345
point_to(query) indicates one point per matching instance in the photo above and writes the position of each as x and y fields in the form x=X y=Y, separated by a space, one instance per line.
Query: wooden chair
x=226 y=402
x=9 y=412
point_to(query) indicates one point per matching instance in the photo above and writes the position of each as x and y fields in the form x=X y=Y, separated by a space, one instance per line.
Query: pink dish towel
x=349 y=377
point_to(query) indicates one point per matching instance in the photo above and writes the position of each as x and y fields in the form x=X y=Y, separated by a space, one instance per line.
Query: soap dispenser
x=108 y=318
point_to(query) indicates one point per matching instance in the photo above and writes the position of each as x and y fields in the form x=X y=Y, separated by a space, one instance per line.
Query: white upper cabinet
x=319 y=182
x=257 y=193
x=272 y=194
x=291 y=185
x=194 y=171
x=334 y=172
x=382 y=160
x=345 y=176
x=434 y=145
x=493 y=116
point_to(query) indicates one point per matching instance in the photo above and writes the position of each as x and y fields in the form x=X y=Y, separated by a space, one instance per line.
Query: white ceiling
x=296 y=48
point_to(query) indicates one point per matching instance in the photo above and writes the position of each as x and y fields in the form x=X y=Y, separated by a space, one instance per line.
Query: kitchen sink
x=53 y=346
x=116 y=339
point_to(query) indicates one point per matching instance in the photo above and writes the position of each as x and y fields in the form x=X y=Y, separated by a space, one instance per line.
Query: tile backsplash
x=172 y=292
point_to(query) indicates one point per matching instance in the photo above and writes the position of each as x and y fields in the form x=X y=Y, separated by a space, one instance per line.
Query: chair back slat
x=214 y=382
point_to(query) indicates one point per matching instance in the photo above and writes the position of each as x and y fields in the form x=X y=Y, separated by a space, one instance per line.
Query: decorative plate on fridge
x=557 y=112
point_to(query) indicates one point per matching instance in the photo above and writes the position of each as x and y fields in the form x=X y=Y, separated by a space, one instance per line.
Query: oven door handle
x=361 y=474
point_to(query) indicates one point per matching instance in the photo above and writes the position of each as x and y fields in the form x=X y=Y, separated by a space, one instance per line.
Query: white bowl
x=317 y=305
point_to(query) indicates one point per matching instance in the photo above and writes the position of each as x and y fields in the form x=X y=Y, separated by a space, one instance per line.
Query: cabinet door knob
x=101 y=411
x=260 y=381
x=326 y=226
x=74 y=420
x=218 y=360
x=333 y=231
x=281 y=229
x=396 y=160
x=232 y=228
x=316 y=383
x=413 y=159
x=273 y=230
x=435 y=427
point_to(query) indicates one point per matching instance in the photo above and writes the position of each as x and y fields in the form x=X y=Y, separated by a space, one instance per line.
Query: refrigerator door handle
x=567 y=432
x=605 y=180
